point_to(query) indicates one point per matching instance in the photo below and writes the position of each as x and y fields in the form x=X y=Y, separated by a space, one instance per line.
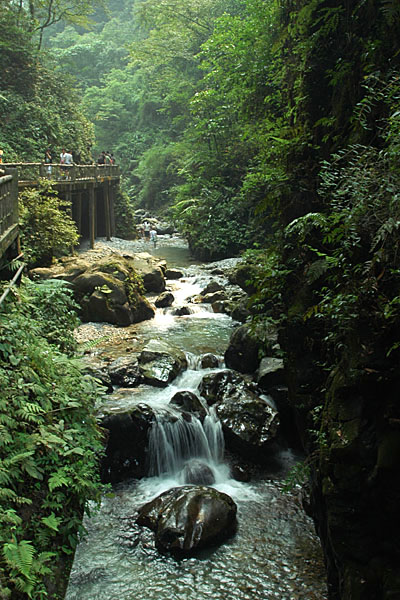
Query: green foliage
x=47 y=230
x=49 y=441
x=40 y=106
x=349 y=255
x=124 y=217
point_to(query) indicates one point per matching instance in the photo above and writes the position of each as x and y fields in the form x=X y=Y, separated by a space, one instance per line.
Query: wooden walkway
x=91 y=189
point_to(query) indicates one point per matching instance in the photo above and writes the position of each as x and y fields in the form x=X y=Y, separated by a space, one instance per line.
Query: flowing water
x=274 y=553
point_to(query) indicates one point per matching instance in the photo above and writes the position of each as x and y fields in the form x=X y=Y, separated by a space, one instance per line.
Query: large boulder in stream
x=150 y=269
x=250 y=424
x=160 y=363
x=108 y=289
x=188 y=518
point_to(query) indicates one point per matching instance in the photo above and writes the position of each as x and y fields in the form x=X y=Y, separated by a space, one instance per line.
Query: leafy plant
x=47 y=230
x=49 y=441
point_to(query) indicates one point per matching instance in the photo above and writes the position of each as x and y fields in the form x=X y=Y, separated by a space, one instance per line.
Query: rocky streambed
x=182 y=410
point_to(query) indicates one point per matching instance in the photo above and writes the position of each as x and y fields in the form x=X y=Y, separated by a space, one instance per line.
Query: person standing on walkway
x=62 y=163
x=68 y=163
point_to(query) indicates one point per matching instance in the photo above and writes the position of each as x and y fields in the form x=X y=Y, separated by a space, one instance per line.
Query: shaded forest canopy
x=261 y=126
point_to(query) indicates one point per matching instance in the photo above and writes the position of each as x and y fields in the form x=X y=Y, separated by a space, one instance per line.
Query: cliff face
x=349 y=421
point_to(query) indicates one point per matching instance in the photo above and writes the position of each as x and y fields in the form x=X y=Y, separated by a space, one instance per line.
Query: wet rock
x=154 y=281
x=165 y=299
x=182 y=311
x=160 y=363
x=240 y=312
x=214 y=297
x=221 y=306
x=173 y=274
x=209 y=361
x=270 y=373
x=197 y=472
x=187 y=518
x=243 y=350
x=126 y=447
x=108 y=289
x=211 y=288
x=124 y=372
x=240 y=473
x=189 y=402
x=249 y=423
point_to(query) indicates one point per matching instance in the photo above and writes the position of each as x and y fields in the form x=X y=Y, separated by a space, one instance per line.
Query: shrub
x=47 y=230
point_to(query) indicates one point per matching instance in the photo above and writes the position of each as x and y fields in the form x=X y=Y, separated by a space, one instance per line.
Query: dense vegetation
x=49 y=442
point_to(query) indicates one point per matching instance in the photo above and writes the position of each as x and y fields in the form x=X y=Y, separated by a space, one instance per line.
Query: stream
x=274 y=553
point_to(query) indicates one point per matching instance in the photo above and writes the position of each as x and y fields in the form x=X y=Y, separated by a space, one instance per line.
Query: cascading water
x=175 y=440
x=275 y=554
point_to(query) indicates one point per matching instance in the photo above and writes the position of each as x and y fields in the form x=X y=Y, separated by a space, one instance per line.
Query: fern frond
x=19 y=556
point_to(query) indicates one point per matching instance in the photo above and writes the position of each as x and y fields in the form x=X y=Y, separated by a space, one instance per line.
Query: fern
x=19 y=556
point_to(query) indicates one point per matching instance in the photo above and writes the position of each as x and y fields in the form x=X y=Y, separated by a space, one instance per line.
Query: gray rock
x=270 y=373
x=211 y=288
x=214 y=297
x=160 y=363
x=124 y=371
x=173 y=274
x=182 y=311
x=197 y=472
x=165 y=299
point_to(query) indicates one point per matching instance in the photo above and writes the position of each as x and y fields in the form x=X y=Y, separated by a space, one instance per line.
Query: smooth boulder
x=188 y=518
x=198 y=472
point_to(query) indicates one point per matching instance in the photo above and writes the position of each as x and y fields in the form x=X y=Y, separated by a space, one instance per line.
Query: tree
x=38 y=15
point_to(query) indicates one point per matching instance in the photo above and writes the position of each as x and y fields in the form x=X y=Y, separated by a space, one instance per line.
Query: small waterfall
x=175 y=440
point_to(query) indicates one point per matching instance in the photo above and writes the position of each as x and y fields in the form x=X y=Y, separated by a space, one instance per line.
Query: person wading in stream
x=153 y=237
x=146 y=229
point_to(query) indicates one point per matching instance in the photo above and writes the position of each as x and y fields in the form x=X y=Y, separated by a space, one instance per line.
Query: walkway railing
x=8 y=209
x=31 y=172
